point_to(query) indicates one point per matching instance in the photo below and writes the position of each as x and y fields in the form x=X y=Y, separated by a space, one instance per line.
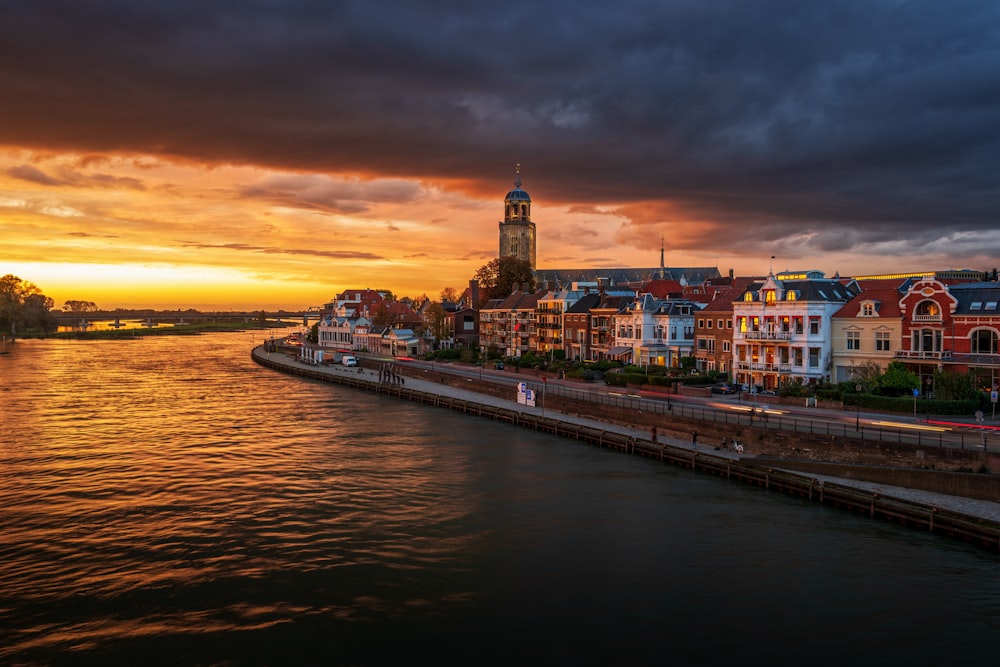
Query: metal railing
x=983 y=441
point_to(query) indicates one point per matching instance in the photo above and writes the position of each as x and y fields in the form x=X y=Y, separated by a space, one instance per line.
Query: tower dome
x=517 y=231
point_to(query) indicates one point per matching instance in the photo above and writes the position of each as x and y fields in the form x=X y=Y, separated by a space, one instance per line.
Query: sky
x=272 y=153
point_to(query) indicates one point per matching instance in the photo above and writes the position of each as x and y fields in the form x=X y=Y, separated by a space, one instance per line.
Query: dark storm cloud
x=842 y=123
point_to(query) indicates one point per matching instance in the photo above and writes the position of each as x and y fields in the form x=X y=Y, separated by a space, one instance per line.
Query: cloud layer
x=856 y=127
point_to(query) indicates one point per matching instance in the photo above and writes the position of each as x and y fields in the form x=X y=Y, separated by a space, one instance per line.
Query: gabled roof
x=817 y=289
x=585 y=303
x=885 y=293
x=663 y=289
x=723 y=301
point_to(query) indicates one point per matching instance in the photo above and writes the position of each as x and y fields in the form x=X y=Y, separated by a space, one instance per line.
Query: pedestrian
x=694 y=439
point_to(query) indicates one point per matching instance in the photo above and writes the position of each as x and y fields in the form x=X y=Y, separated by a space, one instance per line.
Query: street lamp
x=857 y=408
x=982 y=432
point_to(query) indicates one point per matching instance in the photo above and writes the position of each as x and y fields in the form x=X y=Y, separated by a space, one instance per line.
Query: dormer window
x=770 y=296
x=791 y=295
x=868 y=309
x=748 y=296
x=928 y=310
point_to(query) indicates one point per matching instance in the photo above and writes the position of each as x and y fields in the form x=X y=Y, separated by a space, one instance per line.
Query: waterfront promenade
x=670 y=447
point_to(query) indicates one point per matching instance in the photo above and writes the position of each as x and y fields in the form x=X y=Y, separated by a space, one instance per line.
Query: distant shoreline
x=134 y=333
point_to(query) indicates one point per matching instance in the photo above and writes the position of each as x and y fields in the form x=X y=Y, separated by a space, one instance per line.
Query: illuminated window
x=928 y=309
x=748 y=296
x=791 y=295
x=770 y=296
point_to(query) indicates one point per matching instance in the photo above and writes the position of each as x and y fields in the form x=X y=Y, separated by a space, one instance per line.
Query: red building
x=951 y=326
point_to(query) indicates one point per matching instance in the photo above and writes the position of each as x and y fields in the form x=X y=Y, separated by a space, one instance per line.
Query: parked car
x=723 y=388
x=498 y=365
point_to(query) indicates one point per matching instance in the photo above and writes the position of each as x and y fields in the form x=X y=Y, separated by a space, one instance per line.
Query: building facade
x=782 y=328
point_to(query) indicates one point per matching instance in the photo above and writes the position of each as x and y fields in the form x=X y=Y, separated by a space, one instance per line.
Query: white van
x=349 y=360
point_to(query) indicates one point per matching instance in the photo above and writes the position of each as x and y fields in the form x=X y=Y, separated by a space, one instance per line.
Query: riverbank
x=969 y=519
x=191 y=329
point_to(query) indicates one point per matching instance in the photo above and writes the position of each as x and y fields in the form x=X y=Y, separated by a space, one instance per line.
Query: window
x=797 y=321
x=991 y=305
x=881 y=341
x=853 y=340
x=729 y=324
x=976 y=305
x=798 y=356
x=868 y=309
x=720 y=324
x=770 y=296
x=791 y=295
x=708 y=323
x=748 y=296
x=725 y=346
x=814 y=326
x=984 y=341
x=701 y=324
x=813 y=357
x=928 y=310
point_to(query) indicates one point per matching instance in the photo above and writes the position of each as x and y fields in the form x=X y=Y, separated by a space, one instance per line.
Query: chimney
x=474 y=294
x=730 y=275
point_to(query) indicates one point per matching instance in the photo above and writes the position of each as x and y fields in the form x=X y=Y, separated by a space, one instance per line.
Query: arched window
x=928 y=309
x=984 y=341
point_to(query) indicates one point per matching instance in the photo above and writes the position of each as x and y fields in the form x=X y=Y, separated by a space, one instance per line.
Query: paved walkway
x=977 y=508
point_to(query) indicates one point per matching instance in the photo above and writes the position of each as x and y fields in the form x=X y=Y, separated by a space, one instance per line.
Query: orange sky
x=141 y=231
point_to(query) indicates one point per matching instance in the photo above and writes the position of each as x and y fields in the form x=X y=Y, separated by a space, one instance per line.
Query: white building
x=657 y=331
x=782 y=329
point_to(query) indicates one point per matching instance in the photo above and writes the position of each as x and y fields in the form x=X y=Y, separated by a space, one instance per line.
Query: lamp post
x=857 y=408
x=982 y=433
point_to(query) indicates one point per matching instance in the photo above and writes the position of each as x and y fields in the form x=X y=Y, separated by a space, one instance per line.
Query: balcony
x=762 y=366
x=921 y=354
x=768 y=335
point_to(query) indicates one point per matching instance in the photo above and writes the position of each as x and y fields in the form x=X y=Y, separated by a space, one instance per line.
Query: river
x=165 y=500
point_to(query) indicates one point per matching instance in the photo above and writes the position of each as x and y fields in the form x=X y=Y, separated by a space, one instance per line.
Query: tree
x=952 y=386
x=437 y=320
x=898 y=379
x=449 y=294
x=74 y=306
x=868 y=375
x=498 y=277
x=22 y=303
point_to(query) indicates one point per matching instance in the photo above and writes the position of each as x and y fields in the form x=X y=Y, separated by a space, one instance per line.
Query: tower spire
x=663 y=268
x=517 y=175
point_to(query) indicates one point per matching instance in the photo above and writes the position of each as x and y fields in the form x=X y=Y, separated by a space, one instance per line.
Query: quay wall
x=770 y=474
x=759 y=440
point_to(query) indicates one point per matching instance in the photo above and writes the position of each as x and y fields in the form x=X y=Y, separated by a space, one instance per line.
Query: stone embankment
x=966 y=518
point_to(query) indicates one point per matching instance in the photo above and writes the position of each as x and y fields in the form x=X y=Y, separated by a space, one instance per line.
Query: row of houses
x=789 y=327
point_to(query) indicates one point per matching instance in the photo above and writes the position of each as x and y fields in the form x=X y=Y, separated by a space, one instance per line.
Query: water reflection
x=168 y=501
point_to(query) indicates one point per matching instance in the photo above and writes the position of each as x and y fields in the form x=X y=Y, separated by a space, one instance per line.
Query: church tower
x=517 y=231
